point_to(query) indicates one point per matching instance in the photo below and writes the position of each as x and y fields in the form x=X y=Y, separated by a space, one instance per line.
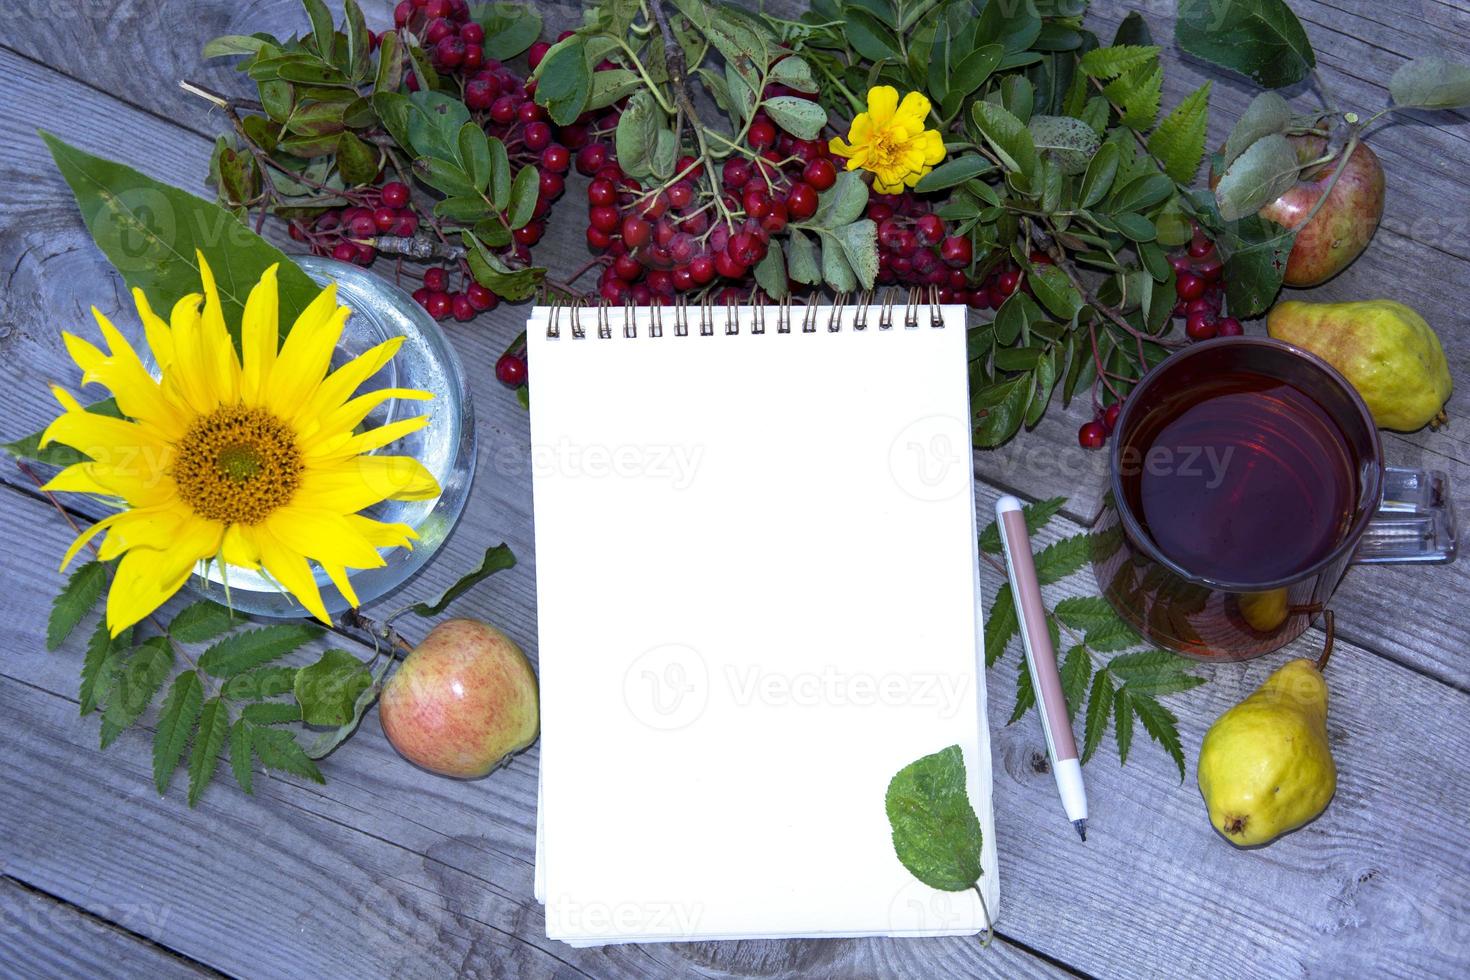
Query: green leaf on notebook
x=935 y=831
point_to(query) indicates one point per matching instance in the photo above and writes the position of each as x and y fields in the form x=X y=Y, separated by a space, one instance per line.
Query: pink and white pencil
x=1041 y=660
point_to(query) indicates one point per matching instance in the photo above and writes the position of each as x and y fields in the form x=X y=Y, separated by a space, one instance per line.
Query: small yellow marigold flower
x=890 y=140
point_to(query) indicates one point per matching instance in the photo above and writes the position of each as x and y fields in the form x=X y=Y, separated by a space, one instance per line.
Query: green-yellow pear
x=462 y=701
x=1265 y=767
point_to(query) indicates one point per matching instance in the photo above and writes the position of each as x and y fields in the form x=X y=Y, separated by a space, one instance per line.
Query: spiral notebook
x=758 y=599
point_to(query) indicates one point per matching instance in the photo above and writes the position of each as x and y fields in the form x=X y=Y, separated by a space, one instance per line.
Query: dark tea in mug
x=1240 y=477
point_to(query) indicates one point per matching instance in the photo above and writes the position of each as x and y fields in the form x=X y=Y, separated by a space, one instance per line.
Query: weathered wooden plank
x=467 y=846
x=42 y=937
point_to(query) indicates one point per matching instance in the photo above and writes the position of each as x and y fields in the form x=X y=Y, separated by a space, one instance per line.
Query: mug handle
x=1415 y=520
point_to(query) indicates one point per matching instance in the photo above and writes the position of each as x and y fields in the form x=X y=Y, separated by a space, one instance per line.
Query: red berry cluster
x=916 y=249
x=1200 y=286
x=1093 y=434
x=660 y=241
x=377 y=211
x=436 y=297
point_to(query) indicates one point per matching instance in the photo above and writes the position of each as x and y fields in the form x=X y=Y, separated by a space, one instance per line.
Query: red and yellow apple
x=462 y=701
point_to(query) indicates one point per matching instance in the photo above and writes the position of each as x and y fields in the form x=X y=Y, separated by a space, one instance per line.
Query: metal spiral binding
x=786 y=314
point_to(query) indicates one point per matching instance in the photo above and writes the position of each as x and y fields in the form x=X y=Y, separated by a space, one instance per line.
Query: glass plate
x=446 y=446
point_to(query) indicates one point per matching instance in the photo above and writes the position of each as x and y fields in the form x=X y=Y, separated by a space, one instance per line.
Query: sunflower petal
x=104 y=438
x=291 y=570
x=348 y=486
x=341 y=383
x=187 y=376
x=323 y=536
x=160 y=337
x=382 y=535
x=239 y=548
x=303 y=361
x=87 y=535
x=217 y=349
x=339 y=578
x=260 y=336
x=90 y=477
x=146 y=578
x=351 y=414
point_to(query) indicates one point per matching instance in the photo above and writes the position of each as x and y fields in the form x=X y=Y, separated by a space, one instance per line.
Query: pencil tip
x=1081 y=826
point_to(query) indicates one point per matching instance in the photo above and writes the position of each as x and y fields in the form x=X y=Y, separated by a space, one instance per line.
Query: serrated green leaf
x=496 y=559
x=1431 y=83
x=1179 y=140
x=1268 y=113
x=1099 y=706
x=277 y=749
x=843 y=203
x=1161 y=726
x=770 y=272
x=936 y=834
x=1267 y=169
x=803 y=264
x=1137 y=95
x=247 y=650
x=214 y=727
x=1261 y=39
x=1025 y=692
x=1109 y=637
x=835 y=271
x=1086 y=612
x=176 y=720
x=328 y=689
x=97 y=665
x=74 y=601
x=201 y=621
x=271 y=712
x=241 y=750
x=1123 y=723
x=135 y=682
x=1001 y=625
x=1110 y=62
x=1076 y=674
x=256 y=685
x=859 y=241
x=1061 y=558
x=1256 y=251
x=1037 y=516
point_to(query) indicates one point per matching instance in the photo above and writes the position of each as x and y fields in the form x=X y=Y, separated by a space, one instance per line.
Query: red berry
x=449 y=52
x=436 y=280
x=590 y=158
x=1201 y=247
x=385 y=218
x=480 y=297
x=537 y=135
x=1007 y=281
x=597 y=239
x=1110 y=417
x=402 y=13
x=436 y=8
x=363 y=226
x=472 y=33
x=395 y=195
x=474 y=57
x=603 y=218
x=820 y=173
x=728 y=267
x=503 y=110
x=460 y=306
x=437 y=31
x=702 y=268
x=439 y=304
x=1092 y=435
x=775 y=218
x=636 y=231
x=956 y=251
x=345 y=252
x=1210 y=267
x=421 y=297
x=1189 y=286
x=1229 y=327
x=510 y=370
x=536 y=53
x=761 y=135
x=1200 y=326
x=802 y=201
x=480 y=93
x=930 y=229
x=625 y=266
x=550 y=185
x=529 y=234
x=736 y=173
x=406 y=225
x=530 y=112
x=602 y=192
x=756 y=202
x=682 y=278
x=556 y=159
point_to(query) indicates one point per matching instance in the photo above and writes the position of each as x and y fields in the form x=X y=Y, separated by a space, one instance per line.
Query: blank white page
x=757 y=594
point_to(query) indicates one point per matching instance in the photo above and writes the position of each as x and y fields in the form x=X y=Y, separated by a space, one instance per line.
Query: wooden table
x=388 y=870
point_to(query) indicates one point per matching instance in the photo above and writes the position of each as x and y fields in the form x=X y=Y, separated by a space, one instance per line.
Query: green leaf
x=969 y=75
x=233 y=44
x=1153 y=672
x=1161 y=726
x=434 y=124
x=1137 y=95
x=1143 y=192
x=510 y=28
x=322 y=30
x=743 y=41
x=214 y=727
x=499 y=185
x=243 y=651
x=1266 y=170
x=201 y=621
x=835 y=271
x=1179 y=140
x=523 y=197
x=328 y=689
x=1037 y=516
x=150 y=232
x=1261 y=39
x=1255 y=251
x=843 y=203
x=1135 y=227
x=637 y=134
x=1116 y=635
x=98 y=664
x=935 y=831
x=770 y=272
x=356 y=160
x=328 y=741
x=1099 y=703
x=1267 y=114
x=803 y=263
x=1105 y=63
x=175 y=722
x=76 y=599
x=1001 y=624
x=1061 y=558
x=271 y=712
x=277 y=749
x=1076 y=673
x=255 y=685
x=358 y=46
x=794 y=73
x=1025 y=692
x=859 y=241
x=496 y=559
x=473 y=155
x=1069 y=143
x=1431 y=83
x=563 y=83
x=611 y=86
x=489 y=271
x=1010 y=140
x=1099 y=177
x=1123 y=723
x=240 y=754
x=1055 y=291
x=954 y=173
x=133 y=685
x=800 y=117
x=1085 y=612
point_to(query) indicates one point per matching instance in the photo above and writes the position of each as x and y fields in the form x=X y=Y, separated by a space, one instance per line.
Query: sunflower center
x=237 y=464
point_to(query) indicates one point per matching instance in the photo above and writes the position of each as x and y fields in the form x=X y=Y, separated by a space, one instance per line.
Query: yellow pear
x=1383 y=348
x=1265 y=767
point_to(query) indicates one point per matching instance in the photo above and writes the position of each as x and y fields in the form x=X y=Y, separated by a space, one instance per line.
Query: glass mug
x=1246 y=476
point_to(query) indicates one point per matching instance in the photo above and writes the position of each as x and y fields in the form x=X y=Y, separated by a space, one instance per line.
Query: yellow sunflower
x=890 y=140
x=253 y=460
